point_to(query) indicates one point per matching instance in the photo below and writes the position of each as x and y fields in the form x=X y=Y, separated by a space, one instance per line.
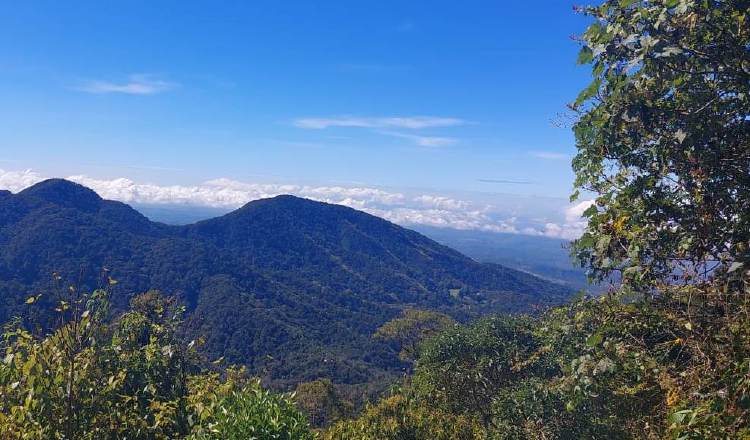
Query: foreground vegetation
x=599 y=369
x=676 y=366
x=129 y=379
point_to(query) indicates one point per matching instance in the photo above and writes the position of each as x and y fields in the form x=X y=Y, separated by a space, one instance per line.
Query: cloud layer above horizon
x=404 y=208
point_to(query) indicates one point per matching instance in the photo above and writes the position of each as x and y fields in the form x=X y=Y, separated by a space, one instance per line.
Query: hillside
x=546 y=257
x=291 y=287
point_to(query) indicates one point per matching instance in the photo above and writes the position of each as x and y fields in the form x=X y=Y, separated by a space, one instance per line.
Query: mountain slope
x=291 y=287
x=545 y=257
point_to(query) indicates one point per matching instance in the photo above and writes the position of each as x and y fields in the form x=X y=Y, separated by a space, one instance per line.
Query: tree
x=89 y=380
x=402 y=417
x=664 y=139
x=412 y=328
x=464 y=368
x=238 y=408
x=321 y=402
x=664 y=146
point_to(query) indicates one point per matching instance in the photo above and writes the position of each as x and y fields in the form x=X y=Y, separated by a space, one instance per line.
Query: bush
x=133 y=378
x=401 y=417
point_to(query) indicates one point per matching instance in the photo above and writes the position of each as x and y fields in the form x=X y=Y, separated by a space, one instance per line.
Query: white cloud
x=423 y=141
x=575 y=212
x=573 y=225
x=407 y=209
x=369 y=194
x=139 y=84
x=549 y=155
x=397 y=122
x=408 y=122
x=15 y=181
x=441 y=202
x=443 y=218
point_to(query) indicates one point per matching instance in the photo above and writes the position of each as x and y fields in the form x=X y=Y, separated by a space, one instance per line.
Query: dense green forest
x=663 y=134
x=289 y=287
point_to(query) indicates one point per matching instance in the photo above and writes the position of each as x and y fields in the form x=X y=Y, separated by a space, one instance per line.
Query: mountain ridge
x=289 y=286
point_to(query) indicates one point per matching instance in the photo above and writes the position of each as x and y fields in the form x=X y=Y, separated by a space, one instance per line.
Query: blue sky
x=433 y=96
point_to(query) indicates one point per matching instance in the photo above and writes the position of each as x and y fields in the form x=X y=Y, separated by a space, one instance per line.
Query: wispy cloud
x=389 y=122
x=139 y=84
x=423 y=141
x=514 y=182
x=407 y=122
x=549 y=155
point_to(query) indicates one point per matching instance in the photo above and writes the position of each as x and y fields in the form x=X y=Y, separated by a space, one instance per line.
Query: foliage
x=133 y=379
x=597 y=368
x=664 y=138
x=412 y=328
x=240 y=409
x=664 y=146
x=401 y=417
x=321 y=402
x=464 y=367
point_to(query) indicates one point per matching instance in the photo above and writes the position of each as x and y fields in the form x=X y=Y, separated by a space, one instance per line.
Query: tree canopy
x=663 y=138
x=132 y=378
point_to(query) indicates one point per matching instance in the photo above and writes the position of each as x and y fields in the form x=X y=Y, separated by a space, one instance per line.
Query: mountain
x=544 y=257
x=291 y=287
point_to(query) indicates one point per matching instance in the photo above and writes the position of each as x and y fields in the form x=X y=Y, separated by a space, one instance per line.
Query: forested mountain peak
x=65 y=193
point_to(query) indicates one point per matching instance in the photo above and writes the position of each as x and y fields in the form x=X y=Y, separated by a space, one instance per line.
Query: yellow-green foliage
x=240 y=409
x=132 y=379
x=322 y=403
x=401 y=417
x=411 y=328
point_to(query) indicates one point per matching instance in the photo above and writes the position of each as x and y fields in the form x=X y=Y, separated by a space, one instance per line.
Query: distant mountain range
x=546 y=257
x=290 y=287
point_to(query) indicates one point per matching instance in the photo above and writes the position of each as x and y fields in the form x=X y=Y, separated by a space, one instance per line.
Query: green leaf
x=585 y=56
x=679 y=416
x=589 y=92
x=594 y=339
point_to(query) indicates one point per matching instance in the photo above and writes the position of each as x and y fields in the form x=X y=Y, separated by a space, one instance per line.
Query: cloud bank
x=403 y=208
